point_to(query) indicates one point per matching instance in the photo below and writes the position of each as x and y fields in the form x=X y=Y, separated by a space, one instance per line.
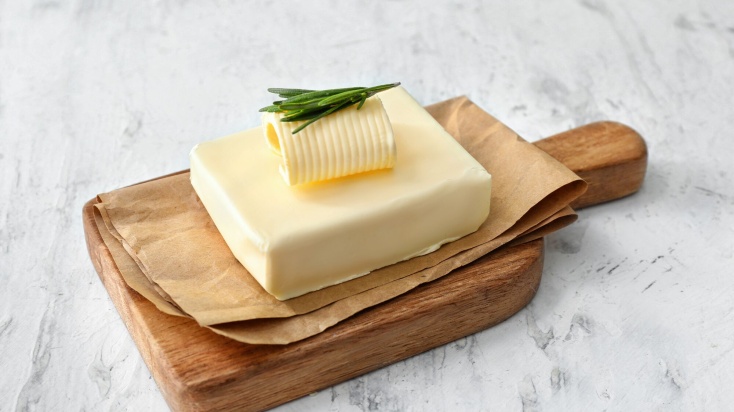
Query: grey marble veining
x=635 y=308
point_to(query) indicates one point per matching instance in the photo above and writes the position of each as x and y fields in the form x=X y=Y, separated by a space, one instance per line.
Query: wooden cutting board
x=197 y=369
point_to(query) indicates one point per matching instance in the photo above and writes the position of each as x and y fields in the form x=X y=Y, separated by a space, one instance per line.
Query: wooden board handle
x=609 y=156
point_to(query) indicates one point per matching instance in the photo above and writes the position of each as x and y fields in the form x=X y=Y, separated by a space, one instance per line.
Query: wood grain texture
x=197 y=369
x=609 y=156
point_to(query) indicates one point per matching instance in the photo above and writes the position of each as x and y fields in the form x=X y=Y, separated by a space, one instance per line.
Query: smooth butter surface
x=297 y=239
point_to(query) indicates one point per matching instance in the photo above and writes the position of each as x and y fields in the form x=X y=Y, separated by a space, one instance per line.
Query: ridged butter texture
x=347 y=142
x=296 y=239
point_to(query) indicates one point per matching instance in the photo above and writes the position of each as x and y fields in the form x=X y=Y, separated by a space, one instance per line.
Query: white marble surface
x=635 y=310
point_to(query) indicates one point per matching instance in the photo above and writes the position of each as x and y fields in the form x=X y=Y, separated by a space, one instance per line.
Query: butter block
x=297 y=239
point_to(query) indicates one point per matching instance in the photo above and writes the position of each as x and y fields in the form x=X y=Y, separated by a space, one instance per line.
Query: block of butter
x=297 y=239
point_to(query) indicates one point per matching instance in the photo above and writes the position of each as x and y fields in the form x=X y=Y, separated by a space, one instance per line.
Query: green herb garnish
x=311 y=105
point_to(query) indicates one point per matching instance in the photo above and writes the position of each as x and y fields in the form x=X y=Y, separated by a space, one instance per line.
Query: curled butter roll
x=346 y=142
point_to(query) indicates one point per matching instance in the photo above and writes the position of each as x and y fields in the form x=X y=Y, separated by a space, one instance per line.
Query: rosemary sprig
x=312 y=105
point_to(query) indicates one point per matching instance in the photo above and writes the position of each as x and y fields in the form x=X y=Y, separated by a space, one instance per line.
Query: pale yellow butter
x=346 y=142
x=296 y=239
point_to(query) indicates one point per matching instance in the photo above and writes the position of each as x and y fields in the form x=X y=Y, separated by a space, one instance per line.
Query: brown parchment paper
x=168 y=234
x=131 y=273
x=295 y=328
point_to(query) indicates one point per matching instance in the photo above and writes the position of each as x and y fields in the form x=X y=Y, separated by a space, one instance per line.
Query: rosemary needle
x=311 y=105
